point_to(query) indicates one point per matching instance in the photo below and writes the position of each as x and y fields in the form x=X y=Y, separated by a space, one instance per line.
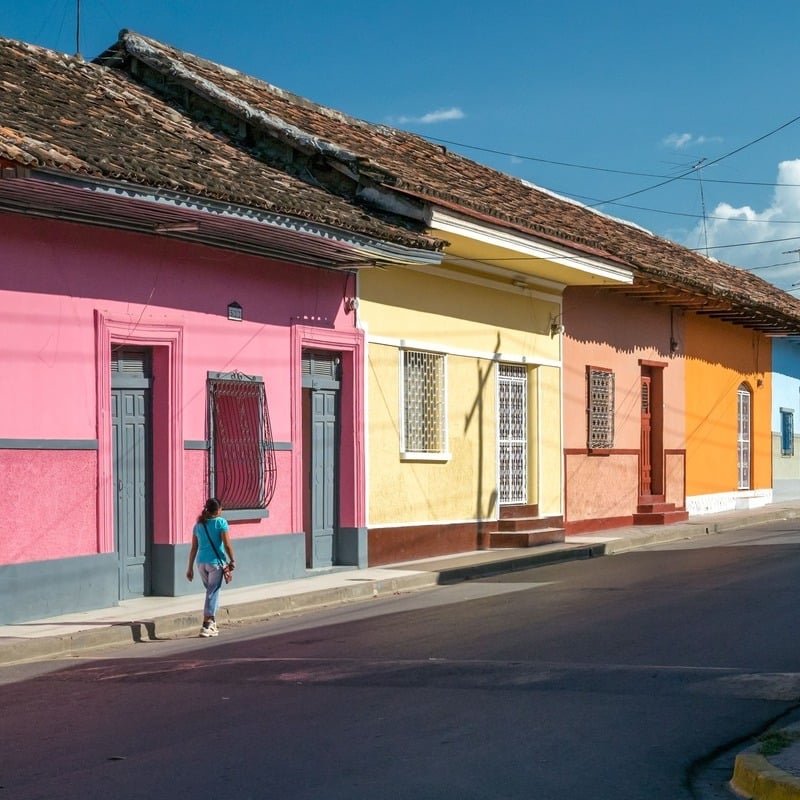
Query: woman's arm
x=226 y=542
x=192 y=555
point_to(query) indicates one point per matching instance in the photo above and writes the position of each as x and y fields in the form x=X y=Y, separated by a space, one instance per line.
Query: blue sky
x=571 y=96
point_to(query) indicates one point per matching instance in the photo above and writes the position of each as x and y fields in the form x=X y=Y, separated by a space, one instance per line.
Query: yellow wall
x=547 y=428
x=457 y=317
x=407 y=304
x=720 y=357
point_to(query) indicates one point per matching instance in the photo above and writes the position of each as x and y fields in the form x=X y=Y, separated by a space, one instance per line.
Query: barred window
x=242 y=459
x=424 y=403
x=600 y=408
x=787 y=432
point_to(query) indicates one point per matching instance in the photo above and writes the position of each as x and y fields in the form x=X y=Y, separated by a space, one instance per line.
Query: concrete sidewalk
x=164 y=617
x=168 y=617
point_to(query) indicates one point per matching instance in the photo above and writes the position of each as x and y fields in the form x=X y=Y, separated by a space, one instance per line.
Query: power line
x=685 y=176
x=745 y=244
x=714 y=161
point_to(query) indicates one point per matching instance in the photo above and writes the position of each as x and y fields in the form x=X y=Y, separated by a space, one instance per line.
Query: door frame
x=352 y=451
x=166 y=343
x=314 y=385
x=526 y=427
x=120 y=383
x=653 y=371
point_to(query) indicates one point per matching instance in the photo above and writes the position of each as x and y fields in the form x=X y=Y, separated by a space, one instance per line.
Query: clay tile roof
x=410 y=164
x=60 y=113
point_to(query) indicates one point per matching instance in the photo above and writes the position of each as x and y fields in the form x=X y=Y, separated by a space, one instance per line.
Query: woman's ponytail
x=210 y=509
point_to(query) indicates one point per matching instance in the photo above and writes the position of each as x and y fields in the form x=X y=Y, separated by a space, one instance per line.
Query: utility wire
x=714 y=161
x=686 y=177
x=745 y=244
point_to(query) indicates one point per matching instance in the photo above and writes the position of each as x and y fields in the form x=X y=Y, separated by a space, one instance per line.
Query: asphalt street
x=609 y=678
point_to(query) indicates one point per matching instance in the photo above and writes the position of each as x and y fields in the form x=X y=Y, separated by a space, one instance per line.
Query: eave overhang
x=756 y=316
x=189 y=218
x=521 y=255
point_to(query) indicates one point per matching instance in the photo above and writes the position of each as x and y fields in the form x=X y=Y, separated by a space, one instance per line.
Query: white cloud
x=440 y=115
x=758 y=231
x=682 y=141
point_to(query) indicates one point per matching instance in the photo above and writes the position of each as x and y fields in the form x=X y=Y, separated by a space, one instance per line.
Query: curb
x=754 y=777
x=15 y=651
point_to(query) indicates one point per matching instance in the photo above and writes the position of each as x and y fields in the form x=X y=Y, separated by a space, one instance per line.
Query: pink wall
x=607 y=330
x=59 y=282
x=51 y=504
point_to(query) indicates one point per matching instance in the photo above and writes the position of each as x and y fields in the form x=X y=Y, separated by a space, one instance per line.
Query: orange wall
x=720 y=357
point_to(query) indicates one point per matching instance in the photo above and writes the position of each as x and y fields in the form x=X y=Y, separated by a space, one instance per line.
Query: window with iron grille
x=600 y=393
x=787 y=432
x=242 y=459
x=744 y=423
x=424 y=402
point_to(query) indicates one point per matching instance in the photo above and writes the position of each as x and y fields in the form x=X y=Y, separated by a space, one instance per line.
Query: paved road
x=608 y=678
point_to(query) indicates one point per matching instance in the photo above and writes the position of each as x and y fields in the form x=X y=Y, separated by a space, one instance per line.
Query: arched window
x=743 y=444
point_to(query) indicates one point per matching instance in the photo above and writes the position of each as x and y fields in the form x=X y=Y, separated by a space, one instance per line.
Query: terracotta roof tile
x=410 y=163
x=61 y=113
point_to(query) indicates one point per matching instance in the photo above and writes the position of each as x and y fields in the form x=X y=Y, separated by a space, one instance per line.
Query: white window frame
x=512 y=375
x=787 y=431
x=744 y=414
x=408 y=452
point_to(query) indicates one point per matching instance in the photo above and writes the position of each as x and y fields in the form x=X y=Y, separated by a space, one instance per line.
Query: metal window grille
x=744 y=436
x=512 y=404
x=424 y=426
x=787 y=432
x=242 y=466
x=600 y=409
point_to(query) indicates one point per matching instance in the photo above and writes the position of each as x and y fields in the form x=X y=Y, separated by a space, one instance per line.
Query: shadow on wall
x=598 y=316
x=476 y=415
x=161 y=273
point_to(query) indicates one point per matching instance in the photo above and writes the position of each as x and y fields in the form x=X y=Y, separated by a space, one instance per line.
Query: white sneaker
x=209 y=630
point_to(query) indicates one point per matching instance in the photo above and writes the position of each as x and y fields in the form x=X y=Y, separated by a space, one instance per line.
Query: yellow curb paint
x=755 y=777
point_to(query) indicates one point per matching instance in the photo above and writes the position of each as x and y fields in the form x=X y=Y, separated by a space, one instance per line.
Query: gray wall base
x=351 y=547
x=261 y=559
x=41 y=589
x=62 y=586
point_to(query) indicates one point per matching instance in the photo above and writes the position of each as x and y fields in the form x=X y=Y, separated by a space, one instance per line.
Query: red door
x=646 y=475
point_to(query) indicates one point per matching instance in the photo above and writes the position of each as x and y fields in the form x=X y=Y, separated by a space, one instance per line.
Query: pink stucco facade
x=630 y=339
x=69 y=294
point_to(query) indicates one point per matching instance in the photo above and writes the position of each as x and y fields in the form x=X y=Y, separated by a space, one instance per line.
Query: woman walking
x=209 y=537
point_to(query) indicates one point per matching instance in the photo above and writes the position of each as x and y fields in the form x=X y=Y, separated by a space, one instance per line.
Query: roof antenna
x=77 y=27
x=702 y=198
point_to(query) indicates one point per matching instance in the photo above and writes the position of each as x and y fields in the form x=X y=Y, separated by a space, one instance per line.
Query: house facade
x=624 y=409
x=464 y=364
x=728 y=416
x=371 y=348
x=168 y=345
x=785 y=411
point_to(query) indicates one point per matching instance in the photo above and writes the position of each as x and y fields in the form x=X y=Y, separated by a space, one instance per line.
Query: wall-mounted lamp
x=235 y=311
